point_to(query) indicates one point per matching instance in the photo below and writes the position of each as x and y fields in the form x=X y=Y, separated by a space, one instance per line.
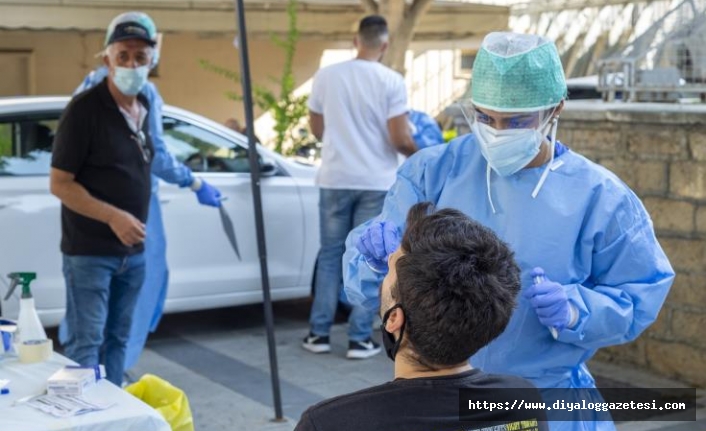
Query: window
x=203 y=151
x=25 y=145
x=464 y=63
x=17 y=77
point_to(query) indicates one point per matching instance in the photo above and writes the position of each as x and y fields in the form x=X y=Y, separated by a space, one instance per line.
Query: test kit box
x=71 y=381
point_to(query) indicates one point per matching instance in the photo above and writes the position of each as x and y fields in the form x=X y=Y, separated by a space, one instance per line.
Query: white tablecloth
x=128 y=413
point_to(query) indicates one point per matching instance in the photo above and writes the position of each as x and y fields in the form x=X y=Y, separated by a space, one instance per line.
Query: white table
x=128 y=412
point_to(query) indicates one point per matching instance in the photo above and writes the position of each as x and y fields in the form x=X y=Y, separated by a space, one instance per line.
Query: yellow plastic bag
x=170 y=401
x=450 y=134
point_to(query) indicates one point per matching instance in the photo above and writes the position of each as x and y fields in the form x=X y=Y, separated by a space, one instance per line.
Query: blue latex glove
x=208 y=195
x=551 y=304
x=377 y=242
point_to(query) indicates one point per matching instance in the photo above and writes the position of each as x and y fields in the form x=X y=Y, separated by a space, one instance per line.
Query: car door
x=30 y=217
x=204 y=269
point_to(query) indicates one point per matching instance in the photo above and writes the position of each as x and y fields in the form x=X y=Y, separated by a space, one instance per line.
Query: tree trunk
x=401 y=19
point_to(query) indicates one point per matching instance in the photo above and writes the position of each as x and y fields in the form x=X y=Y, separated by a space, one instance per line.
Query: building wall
x=660 y=152
x=60 y=59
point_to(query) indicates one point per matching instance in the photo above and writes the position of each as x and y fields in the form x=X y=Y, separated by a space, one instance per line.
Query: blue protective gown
x=425 y=130
x=586 y=228
x=165 y=166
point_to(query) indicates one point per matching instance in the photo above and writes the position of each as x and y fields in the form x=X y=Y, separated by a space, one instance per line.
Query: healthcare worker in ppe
x=606 y=276
x=425 y=130
x=166 y=167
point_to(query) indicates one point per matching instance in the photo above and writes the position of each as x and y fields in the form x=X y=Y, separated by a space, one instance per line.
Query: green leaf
x=233 y=96
x=286 y=109
x=219 y=70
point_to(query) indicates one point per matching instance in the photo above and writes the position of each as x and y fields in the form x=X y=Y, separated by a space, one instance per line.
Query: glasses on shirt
x=141 y=141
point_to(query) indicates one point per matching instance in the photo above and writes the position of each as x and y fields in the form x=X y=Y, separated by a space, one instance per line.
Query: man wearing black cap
x=101 y=173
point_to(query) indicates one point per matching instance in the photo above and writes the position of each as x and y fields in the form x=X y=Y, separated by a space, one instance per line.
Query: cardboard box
x=71 y=381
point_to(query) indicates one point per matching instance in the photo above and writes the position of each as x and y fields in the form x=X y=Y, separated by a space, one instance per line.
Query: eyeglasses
x=503 y=120
x=141 y=141
x=519 y=121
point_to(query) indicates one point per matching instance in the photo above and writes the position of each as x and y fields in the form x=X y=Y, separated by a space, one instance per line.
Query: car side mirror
x=268 y=168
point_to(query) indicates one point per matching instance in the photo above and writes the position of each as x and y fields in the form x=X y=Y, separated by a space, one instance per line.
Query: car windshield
x=202 y=150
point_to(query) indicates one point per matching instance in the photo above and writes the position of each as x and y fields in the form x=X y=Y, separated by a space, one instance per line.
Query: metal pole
x=257 y=202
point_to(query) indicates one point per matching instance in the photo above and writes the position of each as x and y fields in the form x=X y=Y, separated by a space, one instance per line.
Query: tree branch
x=370 y=6
x=418 y=8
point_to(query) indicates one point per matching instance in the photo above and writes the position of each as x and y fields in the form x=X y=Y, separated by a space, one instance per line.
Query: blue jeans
x=340 y=211
x=101 y=292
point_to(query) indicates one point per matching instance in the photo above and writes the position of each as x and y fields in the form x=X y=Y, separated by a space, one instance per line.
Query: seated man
x=450 y=290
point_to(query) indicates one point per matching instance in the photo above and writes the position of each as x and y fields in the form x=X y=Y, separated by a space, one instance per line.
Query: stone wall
x=659 y=150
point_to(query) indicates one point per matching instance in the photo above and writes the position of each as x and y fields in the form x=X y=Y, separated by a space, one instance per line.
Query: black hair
x=457 y=283
x=371 y=30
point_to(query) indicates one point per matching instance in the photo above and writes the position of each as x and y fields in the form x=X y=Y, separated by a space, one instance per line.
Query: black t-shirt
x=424 y=404
x=94 y=142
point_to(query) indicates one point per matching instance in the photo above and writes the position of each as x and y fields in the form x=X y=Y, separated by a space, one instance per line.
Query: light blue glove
x=208 y=195
x=377 y=242
x=551 y=304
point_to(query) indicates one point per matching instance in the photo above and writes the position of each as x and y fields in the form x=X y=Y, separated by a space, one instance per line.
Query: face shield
x=503 y=120
x=137 y=25
x=518 y=83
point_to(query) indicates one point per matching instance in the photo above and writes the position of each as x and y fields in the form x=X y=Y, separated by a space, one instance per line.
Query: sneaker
x=362 y=349
x=316 y=343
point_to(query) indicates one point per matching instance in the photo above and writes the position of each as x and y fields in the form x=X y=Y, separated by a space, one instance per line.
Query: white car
x=204 y=270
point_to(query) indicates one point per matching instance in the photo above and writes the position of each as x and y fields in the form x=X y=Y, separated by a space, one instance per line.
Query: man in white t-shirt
x=359 y=109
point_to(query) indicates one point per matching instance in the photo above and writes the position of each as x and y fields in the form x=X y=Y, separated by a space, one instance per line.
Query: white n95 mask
x=509 y=150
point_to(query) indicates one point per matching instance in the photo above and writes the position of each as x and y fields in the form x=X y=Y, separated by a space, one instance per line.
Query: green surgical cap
x=517 y=73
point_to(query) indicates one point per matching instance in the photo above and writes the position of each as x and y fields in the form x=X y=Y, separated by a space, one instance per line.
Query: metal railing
x=666 y=63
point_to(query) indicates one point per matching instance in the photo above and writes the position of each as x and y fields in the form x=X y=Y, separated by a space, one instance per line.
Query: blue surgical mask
x=507 y=151
x=130 y=81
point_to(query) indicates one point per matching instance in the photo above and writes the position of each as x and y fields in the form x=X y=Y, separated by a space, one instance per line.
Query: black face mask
x=388 y=339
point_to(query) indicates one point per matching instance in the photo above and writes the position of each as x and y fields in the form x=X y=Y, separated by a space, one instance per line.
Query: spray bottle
x=31 y=338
